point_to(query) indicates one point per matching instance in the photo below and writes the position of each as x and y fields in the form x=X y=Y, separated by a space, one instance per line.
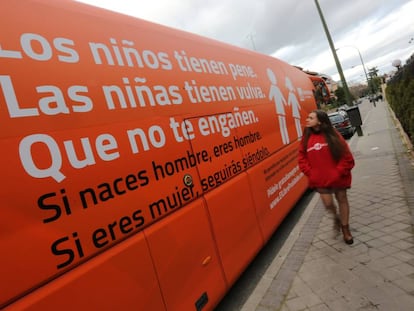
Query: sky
x=369 y=32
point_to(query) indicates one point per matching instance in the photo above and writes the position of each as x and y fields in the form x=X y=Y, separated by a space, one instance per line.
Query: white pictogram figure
x=293 y=101
x=276 y=95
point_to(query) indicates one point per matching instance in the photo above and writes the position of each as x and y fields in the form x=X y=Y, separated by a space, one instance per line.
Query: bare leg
x=328 y=202
x=342 y=199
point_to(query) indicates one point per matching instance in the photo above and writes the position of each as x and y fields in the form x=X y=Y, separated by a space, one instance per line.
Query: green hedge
x=400 y=96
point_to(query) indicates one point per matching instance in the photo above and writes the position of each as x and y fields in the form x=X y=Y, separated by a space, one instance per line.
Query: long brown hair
x=335 y=144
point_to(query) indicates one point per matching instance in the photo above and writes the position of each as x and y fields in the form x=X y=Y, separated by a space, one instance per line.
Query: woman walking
x=325 y=158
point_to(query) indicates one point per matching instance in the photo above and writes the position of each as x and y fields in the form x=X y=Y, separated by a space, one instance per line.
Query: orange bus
x=142 y=167
x=322 y=93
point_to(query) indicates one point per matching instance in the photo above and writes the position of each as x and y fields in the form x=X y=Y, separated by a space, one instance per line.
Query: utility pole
x=338 y=64
x=354 y=110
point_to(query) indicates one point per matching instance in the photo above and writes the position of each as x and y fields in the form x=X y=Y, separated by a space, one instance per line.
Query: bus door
x=181 y=243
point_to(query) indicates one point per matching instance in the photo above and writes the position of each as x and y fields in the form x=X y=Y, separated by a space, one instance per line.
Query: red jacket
x=319 y=166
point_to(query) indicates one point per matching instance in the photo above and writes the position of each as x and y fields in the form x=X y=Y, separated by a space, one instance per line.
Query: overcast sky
x=292 y=30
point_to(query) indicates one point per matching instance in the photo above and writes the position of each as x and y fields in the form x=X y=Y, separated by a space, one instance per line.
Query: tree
x=400 y=96
x=373 y=72
x=374 y=80
x=358 y=90
x=340 y=96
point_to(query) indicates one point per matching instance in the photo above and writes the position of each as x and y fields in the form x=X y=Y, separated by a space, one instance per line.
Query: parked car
x=341 y=122
x=342 y=108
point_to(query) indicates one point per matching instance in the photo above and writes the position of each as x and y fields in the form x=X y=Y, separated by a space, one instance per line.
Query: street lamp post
x=362 y=61
x=363 y=65
x=250 y=36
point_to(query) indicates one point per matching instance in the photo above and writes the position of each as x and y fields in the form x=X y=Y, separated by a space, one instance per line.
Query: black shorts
x=329 y=190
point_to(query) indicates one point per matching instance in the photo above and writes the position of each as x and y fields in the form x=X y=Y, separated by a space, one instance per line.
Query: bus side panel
x=119 y=279
x=276 y=184
x=235 y=225
x=86 y=213
x=186 y=259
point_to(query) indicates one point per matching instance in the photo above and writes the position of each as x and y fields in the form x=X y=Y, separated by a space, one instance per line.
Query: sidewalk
x=317 y=271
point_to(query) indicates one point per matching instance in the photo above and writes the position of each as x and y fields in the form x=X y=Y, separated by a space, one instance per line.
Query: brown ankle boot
x=347 y=234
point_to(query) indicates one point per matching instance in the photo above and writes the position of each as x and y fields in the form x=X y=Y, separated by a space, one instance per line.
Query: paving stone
x=339 y=304
x=392 y=289
x=320 y=307
x=390 y=274
x=389 y=238
x=300 y=288
x=389 y=249
x=296 y=304
x=405 y=302
x=405 y=283
x=402 y=244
